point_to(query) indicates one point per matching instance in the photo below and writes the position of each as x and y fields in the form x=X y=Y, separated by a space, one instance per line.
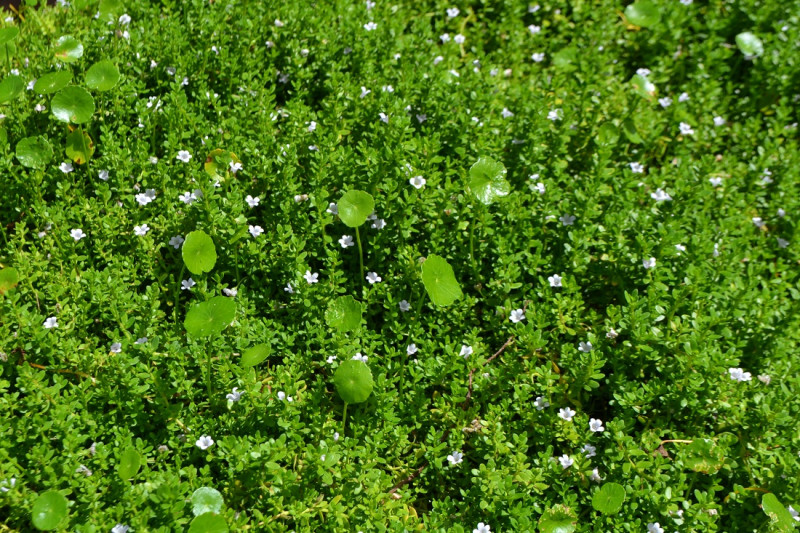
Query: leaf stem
x=360 y=255
x=344 y=418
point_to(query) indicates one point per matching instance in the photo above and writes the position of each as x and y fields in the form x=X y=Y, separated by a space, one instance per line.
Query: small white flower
x=445 y=38
x=781 y=213
x=388 y=88
x=252 y=202
x=404 y=305
x=378 y=224
x=184 y=156
x=517 y=315
x=585 y=347
x=643 y=72
x=288 y=288
x=567 y=220
x=333 y=208
x=51 y=322
x=612 y=334
x=466 y=351
x=234 y=395
x=255 y=231
x=764 y=378
x=141 y=340
x=77 y=234
x=103 y=175
x=311 y=278
x=459 y=39
x=794 y=513
x=554 y=115
x=719 y=121
x=455 y=458
x=506 y=113
x=636 y=168
x=369 y=26
x=232 y=292
x=661 y=196
x=176 y=241
x=649 y=263
x=683 y=97
x=566 y=461
x=596 y=476
x=715 y=182
x=411 y=349
x=142 y=230
x=436 y=61
x=383 y=117
x=418 y=182
x=540 y=403
x=187 y=284
x=555 y=280
x=120 y=528
x=537 y=57
x=312 y=126
x=665 y=102
x=153 y=160
x=116 y=347
x=737 y=374
x=534 y=29
x=687 y=2
x=188 y=198
x=204 y=442
x=281 y=395
x=452 y=12
x=482 y=528
x=596 y=425
x=359 y=357
x=125 y=19
x=373 y=278
x=300 y=198
x=234 y=167
x=589 y=451
x=540 y=187
x=654 y=527
x=783 y=243
x=346 y=241
x=686 y=129
x=680 y=248
x=278 y=23
x=66 y=167
x=566 y=413
x=758 y=221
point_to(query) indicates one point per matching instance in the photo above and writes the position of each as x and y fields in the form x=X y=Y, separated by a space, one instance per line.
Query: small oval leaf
x=255 y=355
x=34 y=152
x=102 y=76
x=49 y=509
x=68 y=49
x=211 y=317
x=52 y=82
x=129 y=463
x=343 y=314
x=199 y=253
x=440 y=281
x=353 y=380
x=206 y=500
x=355 y=207
x=73 y=104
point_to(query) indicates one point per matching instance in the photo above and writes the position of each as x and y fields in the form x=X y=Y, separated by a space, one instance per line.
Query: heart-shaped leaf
x=343 y=314
x=487 y=180
x=643 y=13
x=8 y=279
x=10 y=88
x=80 y=146
x=129 y=463
x=778 y=515
x=440 y=281
x=49 y=509
x=749 y=44
x=68 y=49
x=703 y=455
x=8 y=34
x=206 y=500
x=52 y=82
x=354 y=207
x=353 y=380
x=558 y=519
x=34 y=152
x=210 y=317
x=208 y=523
x=102 y=76
x=609 y=498
x=255 y=354
x=199 y=253
x=73 y=104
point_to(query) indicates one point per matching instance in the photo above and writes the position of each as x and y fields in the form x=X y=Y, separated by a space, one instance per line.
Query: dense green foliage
x=610 y=210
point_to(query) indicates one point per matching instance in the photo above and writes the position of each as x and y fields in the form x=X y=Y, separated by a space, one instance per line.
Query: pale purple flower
x=204 y=442
x=596 y=425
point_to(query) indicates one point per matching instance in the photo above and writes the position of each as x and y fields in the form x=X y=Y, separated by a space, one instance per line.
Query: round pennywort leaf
x=73 y=104
x=102 y=76
x=129 y=463
x=206 y=500
x=353 y=380
x=52 y=82
x=34 y=152
x=8 y=34
x=487 y=180
x=8 y=279
x=10 y=88
x=609 y=498
x=255 y=354
x=643 y=13
x=343 y=314
x=49 y=509
x=68 y=49
x=80 y=146
x=211 y=317
x=354 y=207
x=208 y=523
x=199 y=253
x=558 y=519
x=440 y=281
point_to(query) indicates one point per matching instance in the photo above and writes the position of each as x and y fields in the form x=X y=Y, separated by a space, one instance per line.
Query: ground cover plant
x=469 y=266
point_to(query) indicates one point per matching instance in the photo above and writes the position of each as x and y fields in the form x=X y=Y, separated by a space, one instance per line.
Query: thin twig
x=508 y=343
x=409 y=479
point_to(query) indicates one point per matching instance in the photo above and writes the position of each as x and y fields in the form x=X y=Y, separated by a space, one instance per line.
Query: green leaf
x=10 y=88
x=206 y=500
x=629 y=129
x=34 y=152
x=749 y=44
x=52 y=82
x=80 y=147
x=129 y=463
x=609 y=498
x=607 y=134
x=109 y=9
x=102 y=76
x=8 y=279
x=778 y=515
x=49 y=509
x=8 y=34
x=353 y=380
x=343 y=314
x=199 y=253
x=68 y=49
x=73 y=104
x=558 y=519
x=208 y=523
x=355 y=207
x=255 y=354
x=643 y=13
x=218 y=162
x=702 y=455
x=440 y=281
x=211 y=317
x=565 y=59
x=642 y=86
x=487 y=180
